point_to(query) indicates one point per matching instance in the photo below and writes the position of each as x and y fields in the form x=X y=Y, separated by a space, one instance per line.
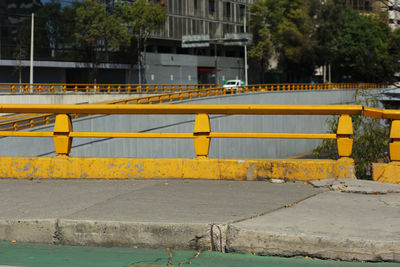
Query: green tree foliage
x=141 y=18
x=263 y=47
x=97 y=30
x=306 y=34
x=288 y=26
x=371 y=140
x=360 y=48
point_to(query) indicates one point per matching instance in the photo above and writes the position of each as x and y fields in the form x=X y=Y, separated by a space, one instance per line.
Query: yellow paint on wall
x=65 y=167
x=386 y=172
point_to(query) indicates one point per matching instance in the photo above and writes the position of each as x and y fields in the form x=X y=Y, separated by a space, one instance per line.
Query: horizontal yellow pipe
x=26 y=134
x=381 y=113
x=273 y=135
x=183 y=109
x=172 y=135
x=391 y=114
x=372 y=112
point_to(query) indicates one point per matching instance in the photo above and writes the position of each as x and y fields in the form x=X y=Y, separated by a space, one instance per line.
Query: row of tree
x=302 y=35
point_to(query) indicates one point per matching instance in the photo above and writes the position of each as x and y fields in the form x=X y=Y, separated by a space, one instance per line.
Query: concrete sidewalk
x=343 y=219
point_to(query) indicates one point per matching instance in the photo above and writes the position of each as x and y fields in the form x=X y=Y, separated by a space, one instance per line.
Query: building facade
x=165 y=59
x=392 y=7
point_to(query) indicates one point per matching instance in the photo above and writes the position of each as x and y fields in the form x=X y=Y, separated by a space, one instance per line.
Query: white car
x=232 y=86
x=396 y=85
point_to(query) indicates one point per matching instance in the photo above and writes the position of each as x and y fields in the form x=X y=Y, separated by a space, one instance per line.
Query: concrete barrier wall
x=67 y=98
x=183 y=148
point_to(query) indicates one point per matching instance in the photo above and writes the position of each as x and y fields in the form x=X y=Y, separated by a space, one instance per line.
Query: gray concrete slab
x=149 y=213
x=196 y=201
x=357 y=186
x=50 y=199
x=330 y=225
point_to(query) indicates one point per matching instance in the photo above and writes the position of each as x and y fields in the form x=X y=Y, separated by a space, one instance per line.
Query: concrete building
x=390 y=6
x=165 y=60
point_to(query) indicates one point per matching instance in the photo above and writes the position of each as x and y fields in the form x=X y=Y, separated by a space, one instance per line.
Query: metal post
x=245 y=50
x=216 y=63
x=329 y=73
x=139 y=64
x=31 y=59
x=0 y=41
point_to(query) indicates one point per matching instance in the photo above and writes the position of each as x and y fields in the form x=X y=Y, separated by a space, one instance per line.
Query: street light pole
x=216 y=63
x=31 y=57
x=245 y=50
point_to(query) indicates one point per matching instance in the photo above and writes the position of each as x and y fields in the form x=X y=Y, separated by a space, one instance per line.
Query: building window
x=368 y=6
x=211 y=9
x=195 y=7
x=227 y=11
x=179 y=9
x=170 y=5
x=170 y=27
x=242 y=13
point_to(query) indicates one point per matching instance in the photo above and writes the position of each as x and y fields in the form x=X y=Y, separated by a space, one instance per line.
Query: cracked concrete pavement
x=337 y=219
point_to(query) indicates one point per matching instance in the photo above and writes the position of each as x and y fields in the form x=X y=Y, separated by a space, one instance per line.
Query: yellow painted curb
x=127 y=168
x=386 y=172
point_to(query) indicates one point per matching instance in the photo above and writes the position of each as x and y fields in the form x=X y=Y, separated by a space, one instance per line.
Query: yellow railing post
x=394 y=147
x=62 y=129
x=344 y=131
x=201 y=132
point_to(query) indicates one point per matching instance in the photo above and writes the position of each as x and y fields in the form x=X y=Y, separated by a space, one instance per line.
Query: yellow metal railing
x=98 y=88
x=309 y=86
x=63 y=130
x=29 y=121
x=177 y=93
x=38 y=88
x=394 y=115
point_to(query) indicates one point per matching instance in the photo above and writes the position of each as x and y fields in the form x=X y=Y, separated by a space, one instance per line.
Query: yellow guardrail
x=388 y=172
x=63 y=130
x=29 y=121
x=310 y=86
x=38 y=88
x=98 y=88
x=202 y=166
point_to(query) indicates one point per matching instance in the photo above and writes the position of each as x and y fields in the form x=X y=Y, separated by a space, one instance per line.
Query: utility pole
x=245 y=49
x=216 y=62
x=329 y=73
x=31 y=58
x=139 y=64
